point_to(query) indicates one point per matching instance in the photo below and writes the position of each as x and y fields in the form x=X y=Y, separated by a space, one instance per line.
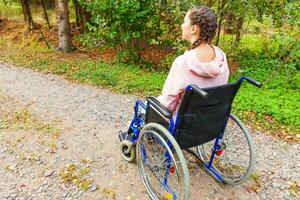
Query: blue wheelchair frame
x=135 y=125
x=138 y=122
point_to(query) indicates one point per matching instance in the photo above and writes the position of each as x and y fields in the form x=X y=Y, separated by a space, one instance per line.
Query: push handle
x=252 y=81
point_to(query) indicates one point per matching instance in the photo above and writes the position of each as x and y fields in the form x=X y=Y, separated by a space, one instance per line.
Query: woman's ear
x=195 y=30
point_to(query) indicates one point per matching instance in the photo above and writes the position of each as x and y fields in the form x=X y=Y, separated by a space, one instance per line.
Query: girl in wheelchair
x=203 y=64
x=193 y=111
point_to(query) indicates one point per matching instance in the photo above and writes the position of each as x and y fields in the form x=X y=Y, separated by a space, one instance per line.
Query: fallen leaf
x=110 y=191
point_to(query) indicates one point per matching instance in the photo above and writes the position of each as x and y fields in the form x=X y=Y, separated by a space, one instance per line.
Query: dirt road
x=58 y=140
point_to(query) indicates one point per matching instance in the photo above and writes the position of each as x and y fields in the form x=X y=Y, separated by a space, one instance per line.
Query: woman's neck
x=205 y=52
x=203 y=45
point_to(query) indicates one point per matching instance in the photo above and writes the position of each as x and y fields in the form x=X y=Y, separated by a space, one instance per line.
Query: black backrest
x=201 y=120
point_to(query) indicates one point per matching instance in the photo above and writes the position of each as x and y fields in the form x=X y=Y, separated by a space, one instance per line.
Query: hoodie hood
x=209 y=69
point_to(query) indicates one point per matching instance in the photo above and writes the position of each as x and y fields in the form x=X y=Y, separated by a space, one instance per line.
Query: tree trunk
x=239 y=26
x=210 y=3
x=63 y=24
x=45 y=14
x=229 y=29
x=85 y=17
x=27 y=14
x=77 y=12
x=221 y=6
x=23 y=10
x=83 y=20
x=82 y=16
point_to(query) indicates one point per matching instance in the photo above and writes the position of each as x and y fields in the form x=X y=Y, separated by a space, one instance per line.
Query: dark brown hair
x=205 y=18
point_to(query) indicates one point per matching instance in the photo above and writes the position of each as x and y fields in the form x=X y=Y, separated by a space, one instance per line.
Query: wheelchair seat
x=201 y=117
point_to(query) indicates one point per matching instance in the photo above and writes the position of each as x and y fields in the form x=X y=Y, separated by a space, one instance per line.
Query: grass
x=276 y=105
x=13 y=11
x=278 y=99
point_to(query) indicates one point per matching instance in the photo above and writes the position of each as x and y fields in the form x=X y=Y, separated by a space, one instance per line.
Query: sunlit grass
x=13 y=11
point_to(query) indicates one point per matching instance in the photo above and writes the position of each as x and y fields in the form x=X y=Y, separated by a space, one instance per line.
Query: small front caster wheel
x=128 y=150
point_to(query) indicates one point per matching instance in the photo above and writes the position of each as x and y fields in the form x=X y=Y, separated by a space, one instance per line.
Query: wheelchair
x=204 y=126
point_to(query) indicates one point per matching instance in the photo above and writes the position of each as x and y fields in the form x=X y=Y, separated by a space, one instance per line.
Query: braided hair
x=205 y=18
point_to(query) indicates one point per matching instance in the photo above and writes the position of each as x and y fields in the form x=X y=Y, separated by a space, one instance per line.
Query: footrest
x=125 y=136
x=122 y=136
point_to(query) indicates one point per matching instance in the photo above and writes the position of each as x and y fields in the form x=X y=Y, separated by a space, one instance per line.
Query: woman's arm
x=174 y=85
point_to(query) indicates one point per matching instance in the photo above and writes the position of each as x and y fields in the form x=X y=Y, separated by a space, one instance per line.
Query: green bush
x=278 y=70
x=124 y=24
x=119 y=23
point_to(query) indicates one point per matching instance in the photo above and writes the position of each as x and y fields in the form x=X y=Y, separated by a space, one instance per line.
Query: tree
x=82 y=16
x=27 y=14
x=63 y=24
x=222 y=8
x=45 y=13
x=77 y=12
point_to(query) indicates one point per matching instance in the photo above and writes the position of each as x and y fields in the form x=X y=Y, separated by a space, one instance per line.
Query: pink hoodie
x=188 y=69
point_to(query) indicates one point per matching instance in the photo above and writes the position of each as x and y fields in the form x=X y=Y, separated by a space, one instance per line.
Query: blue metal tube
x=165 y=181
x=167 y=168
x=139 y=102
x=137 y=121
x=213 y=153
x=215 y=174
x=242 y=78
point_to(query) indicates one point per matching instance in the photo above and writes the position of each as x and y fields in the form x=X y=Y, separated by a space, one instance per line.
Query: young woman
x=203 y=64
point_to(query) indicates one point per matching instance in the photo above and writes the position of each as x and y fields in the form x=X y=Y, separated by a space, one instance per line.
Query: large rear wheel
x=235 y=159
x=161 y=164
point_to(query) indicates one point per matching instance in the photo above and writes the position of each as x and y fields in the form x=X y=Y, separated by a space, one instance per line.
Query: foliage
x=118 y=23
x=278 y=99
x=281 y=11
x=125 y=24
x=280 y=75
x=284 y=46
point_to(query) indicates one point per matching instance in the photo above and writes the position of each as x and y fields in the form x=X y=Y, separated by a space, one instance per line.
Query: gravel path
x=81 y=138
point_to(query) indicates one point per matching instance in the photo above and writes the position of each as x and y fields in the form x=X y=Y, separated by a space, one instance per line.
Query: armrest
x=200 y=91
x=159 y=107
